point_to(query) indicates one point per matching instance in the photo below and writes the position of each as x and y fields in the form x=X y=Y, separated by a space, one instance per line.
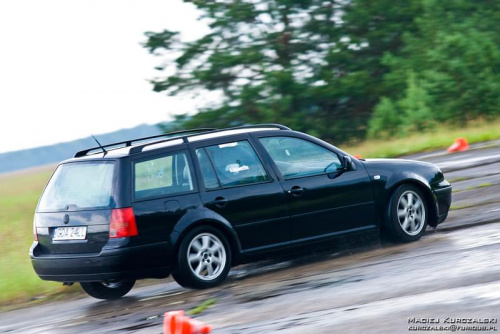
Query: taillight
x=122 y=223
x=35 y=233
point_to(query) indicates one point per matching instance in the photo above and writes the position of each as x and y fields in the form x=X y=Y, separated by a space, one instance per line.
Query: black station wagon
x=194 y=203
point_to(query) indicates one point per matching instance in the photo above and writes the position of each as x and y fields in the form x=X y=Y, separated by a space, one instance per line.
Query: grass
x=457 y=179
x=203 y=306
x=439 y=138
x=19 y=193
x=482 y=185
x=459 y=207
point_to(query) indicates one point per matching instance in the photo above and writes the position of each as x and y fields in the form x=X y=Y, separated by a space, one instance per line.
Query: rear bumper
x=128 y=263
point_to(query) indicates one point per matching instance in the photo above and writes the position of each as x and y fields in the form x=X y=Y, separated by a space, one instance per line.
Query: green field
x=439 y=138
x=19 y=193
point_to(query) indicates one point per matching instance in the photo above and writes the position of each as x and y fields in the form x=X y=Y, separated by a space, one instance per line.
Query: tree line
x=340 y=69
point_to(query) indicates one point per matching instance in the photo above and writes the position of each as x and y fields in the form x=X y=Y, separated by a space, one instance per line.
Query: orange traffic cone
x=175 y=322
x=357 y=156
x=459 y=145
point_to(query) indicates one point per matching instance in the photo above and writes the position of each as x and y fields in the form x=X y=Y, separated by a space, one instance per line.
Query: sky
x=71 y=68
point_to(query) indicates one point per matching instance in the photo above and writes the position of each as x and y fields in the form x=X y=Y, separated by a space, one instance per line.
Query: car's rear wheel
x=203 y=260
x=107 y=289
x=407 y=215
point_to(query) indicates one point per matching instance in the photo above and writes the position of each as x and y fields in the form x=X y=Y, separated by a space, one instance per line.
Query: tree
x=412 y=113
x=455 y=51
x=336 y=68
x=386 y=120
x=314 y=65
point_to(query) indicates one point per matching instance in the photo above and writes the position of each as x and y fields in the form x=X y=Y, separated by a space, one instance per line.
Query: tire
x=107 y=290
x=407 y=216
x=203 y=259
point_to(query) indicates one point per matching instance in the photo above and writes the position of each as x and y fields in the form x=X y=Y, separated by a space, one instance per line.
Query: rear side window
x=162 y=176
x=79 y=186
x=230 y=164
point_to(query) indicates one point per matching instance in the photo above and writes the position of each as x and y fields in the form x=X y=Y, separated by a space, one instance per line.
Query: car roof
x=129 y=147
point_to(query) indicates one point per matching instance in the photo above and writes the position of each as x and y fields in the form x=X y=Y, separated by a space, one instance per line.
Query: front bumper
x=128 y=263
x=443 y=201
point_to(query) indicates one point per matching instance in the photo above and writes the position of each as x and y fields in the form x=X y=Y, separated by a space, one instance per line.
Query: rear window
x=79 y=186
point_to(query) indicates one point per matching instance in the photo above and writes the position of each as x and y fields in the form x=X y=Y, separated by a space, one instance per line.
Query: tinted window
x=79 y=185
x=162 y=176
x=207 y=170
x=296 y=157
x=235 y=163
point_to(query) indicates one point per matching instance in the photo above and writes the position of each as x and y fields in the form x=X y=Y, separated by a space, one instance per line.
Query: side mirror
x=348 y=164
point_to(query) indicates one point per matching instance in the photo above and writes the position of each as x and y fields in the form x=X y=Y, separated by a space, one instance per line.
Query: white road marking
x=494 y=210
x=466 y=161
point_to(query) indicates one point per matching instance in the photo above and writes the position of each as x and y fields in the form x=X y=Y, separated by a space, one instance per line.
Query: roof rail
x=137 y=149
x=130 y=142
x=175 y=134
x=264 y=125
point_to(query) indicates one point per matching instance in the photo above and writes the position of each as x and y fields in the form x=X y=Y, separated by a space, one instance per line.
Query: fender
x=391 y=175
x=426 y=189
x=200 y=216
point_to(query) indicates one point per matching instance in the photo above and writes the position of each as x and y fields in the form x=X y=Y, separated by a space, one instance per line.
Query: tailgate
x=83 y=232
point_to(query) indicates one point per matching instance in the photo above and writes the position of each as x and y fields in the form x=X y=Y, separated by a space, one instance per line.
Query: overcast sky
x=70 y=68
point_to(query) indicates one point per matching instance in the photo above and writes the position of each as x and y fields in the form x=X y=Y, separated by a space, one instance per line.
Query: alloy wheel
x=206 y=256
x=411 y=212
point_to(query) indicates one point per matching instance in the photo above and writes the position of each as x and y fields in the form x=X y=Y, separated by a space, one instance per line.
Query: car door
x=164 y=190
x=324 y=200
x=236 y=184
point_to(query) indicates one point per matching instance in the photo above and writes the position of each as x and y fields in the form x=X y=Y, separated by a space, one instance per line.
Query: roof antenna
x=102 y=147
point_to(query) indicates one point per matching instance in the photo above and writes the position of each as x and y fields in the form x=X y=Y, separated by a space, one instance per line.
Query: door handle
x=296 y=191
x=220 y=202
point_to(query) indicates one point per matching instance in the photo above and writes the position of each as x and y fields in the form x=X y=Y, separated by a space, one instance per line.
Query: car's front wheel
x=107 y=289
x=203 y=259
x=406 y=217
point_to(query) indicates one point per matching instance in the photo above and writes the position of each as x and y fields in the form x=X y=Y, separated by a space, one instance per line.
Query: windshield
x=78 y=186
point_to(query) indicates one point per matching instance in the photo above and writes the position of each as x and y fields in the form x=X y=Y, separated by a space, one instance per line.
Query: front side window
x=79 y=186
x=162 y=176
x=230 y=164
x=297 y=157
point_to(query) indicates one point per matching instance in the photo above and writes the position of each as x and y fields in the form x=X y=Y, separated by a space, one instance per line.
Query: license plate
x=70 y=233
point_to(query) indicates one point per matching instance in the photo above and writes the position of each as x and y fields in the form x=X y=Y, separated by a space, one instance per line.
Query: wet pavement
x=362 y=284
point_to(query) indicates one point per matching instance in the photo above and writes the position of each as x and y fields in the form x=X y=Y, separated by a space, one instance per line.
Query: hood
x=397 y=162
x=400 y=168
